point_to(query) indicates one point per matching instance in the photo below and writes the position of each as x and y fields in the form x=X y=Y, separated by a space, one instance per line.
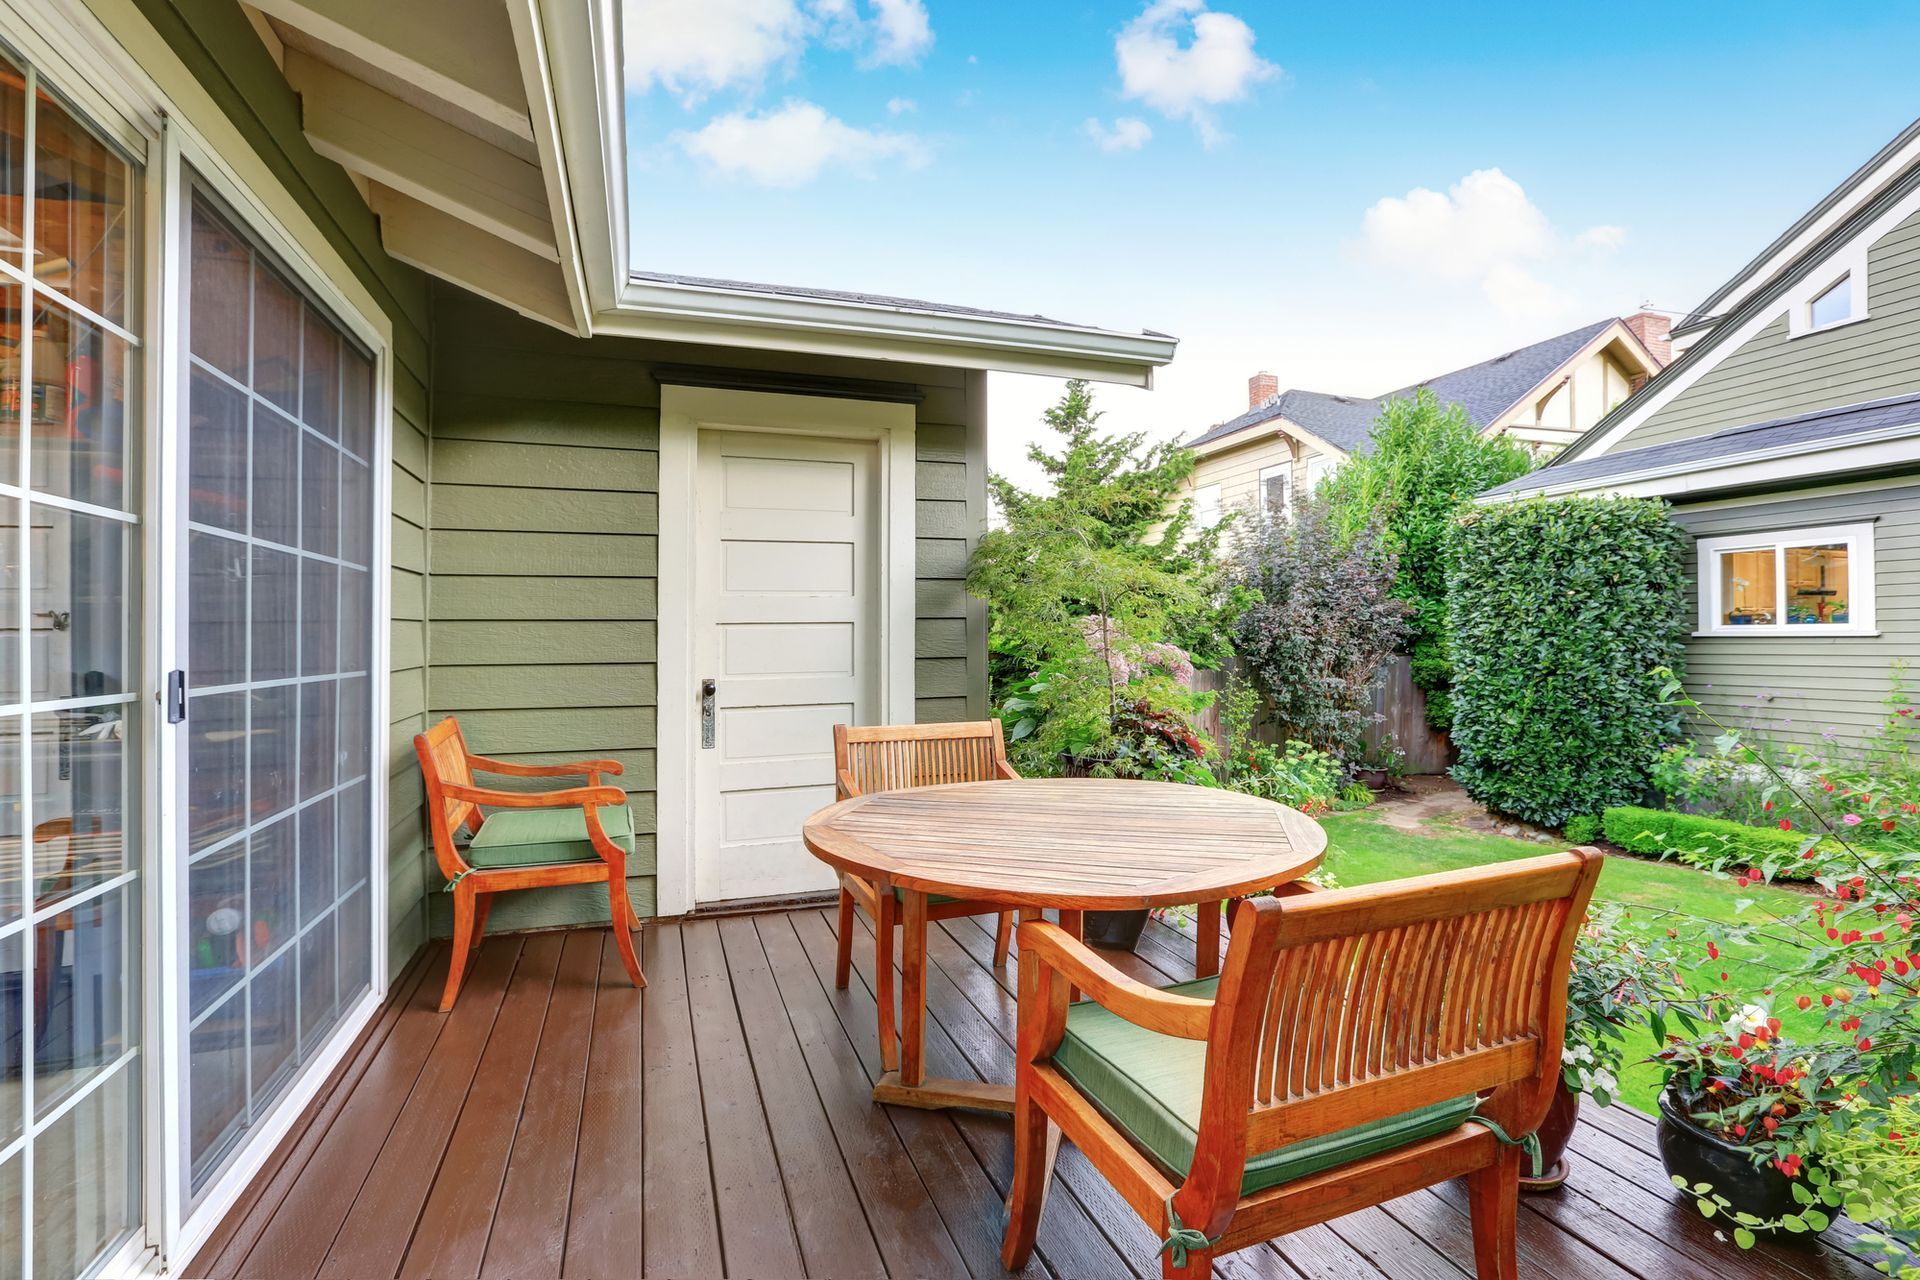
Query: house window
x=1274 y=484
x=1799 y=581
x=1319 y=467
x=1206 y=506
x=1833 y=306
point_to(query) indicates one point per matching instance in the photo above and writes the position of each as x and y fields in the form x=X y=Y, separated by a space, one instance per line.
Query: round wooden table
x=1072 y=844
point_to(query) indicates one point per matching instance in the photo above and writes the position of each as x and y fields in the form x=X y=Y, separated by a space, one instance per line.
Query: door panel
x=786 y=622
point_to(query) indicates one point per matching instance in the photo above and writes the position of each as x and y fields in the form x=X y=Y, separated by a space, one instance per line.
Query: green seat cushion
x=1149 y=1085
x=541 y=837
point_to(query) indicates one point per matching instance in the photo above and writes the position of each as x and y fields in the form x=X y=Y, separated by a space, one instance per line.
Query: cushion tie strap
x=457 y=879
x=1182 y=1240
x=1529 y=1142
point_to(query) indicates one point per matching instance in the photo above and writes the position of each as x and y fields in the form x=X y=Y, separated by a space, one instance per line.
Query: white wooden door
x=786 y=587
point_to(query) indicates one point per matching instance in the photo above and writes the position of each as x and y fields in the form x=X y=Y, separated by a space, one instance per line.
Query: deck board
x=561 y=1123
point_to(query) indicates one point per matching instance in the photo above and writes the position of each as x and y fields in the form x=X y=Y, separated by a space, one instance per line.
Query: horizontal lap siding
x=1775 y=376
x=1796 y=687
x=544 y=516
x=220 y=47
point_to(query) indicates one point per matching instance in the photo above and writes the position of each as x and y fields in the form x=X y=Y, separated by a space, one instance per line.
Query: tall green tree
x=1090 y=581
x=1427 y=462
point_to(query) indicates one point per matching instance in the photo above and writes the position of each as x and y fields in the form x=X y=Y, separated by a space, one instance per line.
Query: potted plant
x=1621 y=980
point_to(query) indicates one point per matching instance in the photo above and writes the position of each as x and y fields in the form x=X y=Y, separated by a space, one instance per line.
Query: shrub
x=1321 y=622
x=1562 y=609
x=1427 y=462
x=1581 y=828
x=1692 y=837
x=1299 y=776
x=1355 y=795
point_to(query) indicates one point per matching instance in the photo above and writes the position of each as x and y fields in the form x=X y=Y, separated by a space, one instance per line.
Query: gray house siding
x=220 y=47
x=543 y=517
x=1774 y=376
x=1793 y=687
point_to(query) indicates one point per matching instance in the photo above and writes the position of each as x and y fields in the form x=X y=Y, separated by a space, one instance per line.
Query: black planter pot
x=1114 y=930
x=1689 y=1151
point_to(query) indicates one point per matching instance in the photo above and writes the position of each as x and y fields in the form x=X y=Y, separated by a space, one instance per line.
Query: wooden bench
x=1358 y=1045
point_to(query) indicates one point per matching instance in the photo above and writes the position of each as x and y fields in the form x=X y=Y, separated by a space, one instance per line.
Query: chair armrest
x=572 y=797
x=845 y=785
x=571 y=769
x=1138 y=1003
x=1004 y=771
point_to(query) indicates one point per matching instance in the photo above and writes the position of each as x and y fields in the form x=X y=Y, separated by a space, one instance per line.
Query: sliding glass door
x=72 y=864
x=277 y=542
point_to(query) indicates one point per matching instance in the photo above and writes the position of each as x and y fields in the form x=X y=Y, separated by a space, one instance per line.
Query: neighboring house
x=1545 y=395
x=1787 y=436
x=333 y=408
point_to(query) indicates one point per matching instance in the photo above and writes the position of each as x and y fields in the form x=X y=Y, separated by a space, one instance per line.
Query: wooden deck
x=559 y=1122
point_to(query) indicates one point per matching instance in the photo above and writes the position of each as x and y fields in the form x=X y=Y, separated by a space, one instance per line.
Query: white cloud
x=900 y=106
x=791 y=146
x=1484 y=229
x=1128 y=133
x=1185 y=81
x=694 y=47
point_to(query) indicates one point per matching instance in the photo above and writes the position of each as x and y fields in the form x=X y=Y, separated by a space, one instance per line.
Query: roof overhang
x=1255 y=432
x=1868 y=453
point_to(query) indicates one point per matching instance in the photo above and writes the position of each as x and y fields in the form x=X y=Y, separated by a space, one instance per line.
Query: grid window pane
x=13 y=372
x=216 y=610
x=13 y=172
x=82 y=377
x=308 y=392
x=84 y=593
x=83 y=193
x=219 y=287
x=12 y=1189
x=217 y=935
x=81 y=1018
x=82 y=798
x=1817 y=584
x=13 y=580
x=217 y=456
x=12 y=1080
x=84 y=1174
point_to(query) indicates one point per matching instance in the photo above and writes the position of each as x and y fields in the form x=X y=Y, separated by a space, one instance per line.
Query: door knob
x=706 y=714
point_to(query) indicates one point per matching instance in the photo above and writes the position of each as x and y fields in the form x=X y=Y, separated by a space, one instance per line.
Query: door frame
x=684 y=412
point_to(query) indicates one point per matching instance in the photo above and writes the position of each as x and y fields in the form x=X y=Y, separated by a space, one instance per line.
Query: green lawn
x=1364 y=849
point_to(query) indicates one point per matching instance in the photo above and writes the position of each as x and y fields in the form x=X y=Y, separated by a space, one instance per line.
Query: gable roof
x=1801 y=434
x=1485 y=390
x=1787 y=248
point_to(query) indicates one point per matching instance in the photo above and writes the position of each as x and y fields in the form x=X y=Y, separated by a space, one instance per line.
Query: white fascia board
x=1658 y=396
x=585 y=76
x=1763 y=273
x=699 y=313
x=1890 y=446
x=543 y=113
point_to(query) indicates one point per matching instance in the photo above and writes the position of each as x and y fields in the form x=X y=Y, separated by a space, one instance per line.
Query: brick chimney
x=1261 y=387
x=1651 y=328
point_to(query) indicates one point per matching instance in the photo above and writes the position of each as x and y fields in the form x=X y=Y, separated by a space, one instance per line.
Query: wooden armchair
x=1359 y=1044
x=534 y=839
x=892 y=757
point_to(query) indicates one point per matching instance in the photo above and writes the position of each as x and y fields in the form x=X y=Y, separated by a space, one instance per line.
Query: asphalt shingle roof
x=1485 y=390
x=1698 y=452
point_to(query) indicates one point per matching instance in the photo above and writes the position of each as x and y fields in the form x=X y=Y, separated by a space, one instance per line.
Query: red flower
x=1786 y=824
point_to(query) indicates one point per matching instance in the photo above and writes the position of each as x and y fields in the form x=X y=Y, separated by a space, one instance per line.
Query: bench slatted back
x=1364 y=1003
x=896 y=757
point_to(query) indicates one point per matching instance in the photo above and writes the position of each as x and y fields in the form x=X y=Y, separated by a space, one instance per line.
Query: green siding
x=1774 y=376
x=220 y=47
x=1795 y=687
x=543 y=510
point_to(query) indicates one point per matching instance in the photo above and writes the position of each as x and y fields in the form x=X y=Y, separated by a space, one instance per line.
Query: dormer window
x=1832 y=306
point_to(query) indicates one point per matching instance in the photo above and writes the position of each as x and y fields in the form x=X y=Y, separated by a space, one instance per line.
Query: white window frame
x=1284 y=474
x=1857 y=538
x=1207 y=511
x=1851 y=267
x=111 y=65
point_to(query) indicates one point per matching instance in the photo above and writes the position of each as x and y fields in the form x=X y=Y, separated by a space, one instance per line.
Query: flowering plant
x=1793 y=1105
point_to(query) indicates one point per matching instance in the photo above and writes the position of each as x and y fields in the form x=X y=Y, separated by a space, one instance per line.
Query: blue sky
x=1352 y=196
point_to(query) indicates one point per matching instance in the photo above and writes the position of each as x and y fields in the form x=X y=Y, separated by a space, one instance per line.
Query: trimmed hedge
x=1561 y=610
x=1693 y=837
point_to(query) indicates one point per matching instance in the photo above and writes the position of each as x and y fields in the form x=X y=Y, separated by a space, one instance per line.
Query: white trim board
x=684 y=412
x=1662 y=393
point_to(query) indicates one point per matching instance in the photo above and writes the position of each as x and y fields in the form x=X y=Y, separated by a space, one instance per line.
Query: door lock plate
x=706 y=714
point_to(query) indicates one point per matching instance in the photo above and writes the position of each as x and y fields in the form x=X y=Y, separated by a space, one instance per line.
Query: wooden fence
x=1398 y=703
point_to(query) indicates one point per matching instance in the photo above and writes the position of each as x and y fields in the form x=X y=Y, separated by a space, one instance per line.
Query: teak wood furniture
x=873 y=758
x=1072 y=845
x=534 y=839
x=1359 y=1045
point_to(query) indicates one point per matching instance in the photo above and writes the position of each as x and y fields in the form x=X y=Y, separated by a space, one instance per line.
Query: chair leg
x=1036 y=1140
x=482 y=907
x=620 y=908
x=843 y=948
x=1199 y=1267
x=1493 y=1202
x=887 y=915
x=465 y=939
x=1002 y=938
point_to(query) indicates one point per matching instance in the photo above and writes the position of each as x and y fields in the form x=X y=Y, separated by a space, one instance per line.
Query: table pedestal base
x=934 y=1094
